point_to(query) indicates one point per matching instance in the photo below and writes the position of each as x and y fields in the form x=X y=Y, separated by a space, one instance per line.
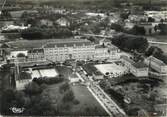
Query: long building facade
x=78 y=50
x=156 y=64
x=64 y=49
x=138 y=69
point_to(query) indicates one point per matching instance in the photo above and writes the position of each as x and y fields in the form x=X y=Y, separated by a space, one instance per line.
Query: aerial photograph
x=83 y=58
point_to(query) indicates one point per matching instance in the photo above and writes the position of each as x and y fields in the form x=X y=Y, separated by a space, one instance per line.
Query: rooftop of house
x=100 y=46
x=97 y=73
x=73 y=75
x=127 y=59
x=135 y=64
x=139 y=65
x=157 y=61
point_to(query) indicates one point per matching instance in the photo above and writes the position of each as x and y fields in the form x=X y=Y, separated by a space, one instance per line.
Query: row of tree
x=157 y=52
x=31 y=99
x=130 y=43
x=43 y=33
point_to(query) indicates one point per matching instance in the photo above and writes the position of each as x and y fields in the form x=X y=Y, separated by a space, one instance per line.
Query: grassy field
x=111 y=1
x=88 y=106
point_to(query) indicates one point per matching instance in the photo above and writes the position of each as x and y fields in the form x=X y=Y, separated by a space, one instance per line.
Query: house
x=104 y=42
x=138 y=69
x=157 y=15
x=46 y=22
x=97 y=75
x=156 y=64
x=64 y=22
x=74 y=78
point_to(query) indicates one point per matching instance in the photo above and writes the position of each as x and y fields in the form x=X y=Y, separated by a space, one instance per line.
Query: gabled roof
x=139 y=65
x=135 y=64
x=157 y=61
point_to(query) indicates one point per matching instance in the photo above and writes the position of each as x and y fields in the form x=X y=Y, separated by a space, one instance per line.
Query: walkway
x=106 y=102
x=157 y=42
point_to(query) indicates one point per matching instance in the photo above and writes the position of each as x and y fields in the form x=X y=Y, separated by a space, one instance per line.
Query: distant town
x=83 y=58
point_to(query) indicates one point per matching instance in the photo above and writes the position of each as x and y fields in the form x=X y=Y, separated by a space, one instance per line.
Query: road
x=107 y=103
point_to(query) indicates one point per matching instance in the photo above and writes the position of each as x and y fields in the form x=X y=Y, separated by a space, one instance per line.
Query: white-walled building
x=156 y=64
x=76 y=49
x=138 y=69
x=64 y=22
x=101 y=52
x=64 y=49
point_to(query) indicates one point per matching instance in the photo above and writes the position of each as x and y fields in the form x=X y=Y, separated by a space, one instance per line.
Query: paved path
x=106 y=102
x=157 y=42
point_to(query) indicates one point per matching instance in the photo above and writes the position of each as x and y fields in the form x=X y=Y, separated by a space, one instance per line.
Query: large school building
x=59 y=50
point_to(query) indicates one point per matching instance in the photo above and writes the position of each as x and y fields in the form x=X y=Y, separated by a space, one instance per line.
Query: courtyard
x=44 y=73
x=113 y=69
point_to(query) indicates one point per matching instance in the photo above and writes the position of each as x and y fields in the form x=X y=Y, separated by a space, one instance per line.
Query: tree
x=32 y=88
x=150 y=19
x=153 y=50
x=163 y=29
x=117 y=27
x=64 y=87
x=21 y=55
x=40 y=105
x=130 y=43
x=68 y=96
x=124 y=15
x=8 y=96
x=137 y=30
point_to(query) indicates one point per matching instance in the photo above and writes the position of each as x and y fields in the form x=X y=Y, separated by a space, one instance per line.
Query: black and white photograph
x=83 y=58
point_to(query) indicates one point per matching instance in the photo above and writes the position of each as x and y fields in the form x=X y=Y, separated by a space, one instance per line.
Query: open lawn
x=88 y=106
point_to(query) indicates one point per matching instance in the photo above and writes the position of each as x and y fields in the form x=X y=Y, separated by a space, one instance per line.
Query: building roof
x=100 y=46
x=73 y=75
x=127 y=59
x=139 y=65
x=97 y=73
x=157 y=61
x=135 y=64
x=68 y=44
x=36 y=51
x=30 y=44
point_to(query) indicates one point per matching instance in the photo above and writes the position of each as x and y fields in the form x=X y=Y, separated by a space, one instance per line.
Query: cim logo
x=17 y=110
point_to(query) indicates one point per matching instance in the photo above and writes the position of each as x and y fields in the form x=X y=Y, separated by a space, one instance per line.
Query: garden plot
x=113 y=69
